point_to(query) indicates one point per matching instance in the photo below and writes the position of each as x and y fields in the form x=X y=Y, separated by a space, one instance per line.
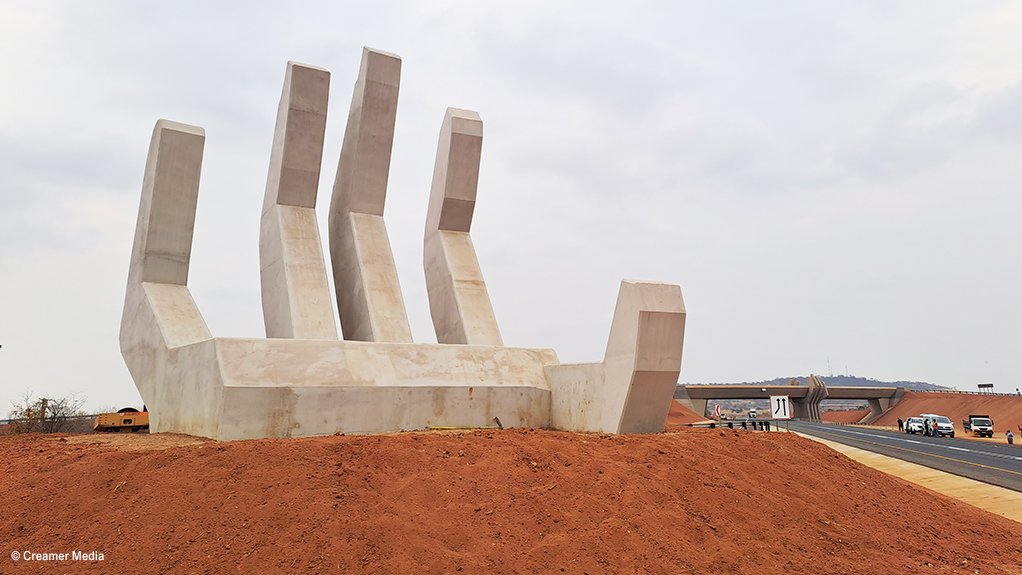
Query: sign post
x=780 y=407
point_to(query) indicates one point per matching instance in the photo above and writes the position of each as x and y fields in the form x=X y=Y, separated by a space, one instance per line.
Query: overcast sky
x=834 y=185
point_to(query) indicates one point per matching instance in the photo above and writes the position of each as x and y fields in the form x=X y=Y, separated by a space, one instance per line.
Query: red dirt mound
x=513 y=501
x=850 y=416
x=681 y=415
x=1006 y=410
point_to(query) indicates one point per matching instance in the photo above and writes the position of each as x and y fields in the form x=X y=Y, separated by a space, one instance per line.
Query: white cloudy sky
x=835 y=185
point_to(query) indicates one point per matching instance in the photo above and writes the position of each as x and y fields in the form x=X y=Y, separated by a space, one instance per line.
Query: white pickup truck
x=980 y=425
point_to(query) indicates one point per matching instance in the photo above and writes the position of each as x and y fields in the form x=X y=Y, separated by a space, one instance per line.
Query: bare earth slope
x=514 y=501
x=850 y=416
x=1006 y=410
x=681 y=415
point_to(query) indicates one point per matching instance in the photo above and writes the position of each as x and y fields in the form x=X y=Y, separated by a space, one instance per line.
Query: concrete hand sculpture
x=303 y=379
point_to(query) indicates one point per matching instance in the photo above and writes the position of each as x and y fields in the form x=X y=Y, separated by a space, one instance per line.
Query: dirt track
x=696 y=501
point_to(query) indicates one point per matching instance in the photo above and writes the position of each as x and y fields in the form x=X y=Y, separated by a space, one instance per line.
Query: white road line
x=976 y=451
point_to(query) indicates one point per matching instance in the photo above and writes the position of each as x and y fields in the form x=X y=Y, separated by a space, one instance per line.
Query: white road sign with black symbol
x=780 y=407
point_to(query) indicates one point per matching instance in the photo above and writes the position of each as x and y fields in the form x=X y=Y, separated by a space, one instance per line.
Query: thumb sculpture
x=305 y=380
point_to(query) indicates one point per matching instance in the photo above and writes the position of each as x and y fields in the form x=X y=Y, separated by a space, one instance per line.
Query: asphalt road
x=998 y=464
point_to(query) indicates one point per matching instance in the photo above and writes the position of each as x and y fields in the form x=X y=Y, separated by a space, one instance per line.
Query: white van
x=944 y=426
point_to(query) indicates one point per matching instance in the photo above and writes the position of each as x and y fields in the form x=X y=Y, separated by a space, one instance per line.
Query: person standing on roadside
x=901 y=425
x=1011 y=437
x=936 y=430
x=926 y=427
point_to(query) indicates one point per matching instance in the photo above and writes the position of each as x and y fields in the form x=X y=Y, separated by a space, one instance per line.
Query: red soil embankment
x=681 y=415
x=850 y=416
x=1006 y=410
x=512 y=501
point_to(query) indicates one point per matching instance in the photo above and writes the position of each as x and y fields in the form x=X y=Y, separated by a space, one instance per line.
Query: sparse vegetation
x=47 y=415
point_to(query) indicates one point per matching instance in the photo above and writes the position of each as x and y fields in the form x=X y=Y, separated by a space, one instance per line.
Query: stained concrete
x=631 y=390
x=295 y=291
x=458 y=299
x=302 y=380
x=368 y=292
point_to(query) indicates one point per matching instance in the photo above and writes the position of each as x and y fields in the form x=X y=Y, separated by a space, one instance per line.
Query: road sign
x=716 y=410
x=780 y=407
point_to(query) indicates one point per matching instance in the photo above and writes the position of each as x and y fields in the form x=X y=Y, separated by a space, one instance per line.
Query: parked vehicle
x=981 y=425
x=752 y=413
x=914 y=425
x=944 y=426
x=126 y=419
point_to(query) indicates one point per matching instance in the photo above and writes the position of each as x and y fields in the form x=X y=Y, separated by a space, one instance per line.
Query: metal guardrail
x=1009 y=394
x=744 y=423
x=964 y=392
x=71 y=424
x=68 y=418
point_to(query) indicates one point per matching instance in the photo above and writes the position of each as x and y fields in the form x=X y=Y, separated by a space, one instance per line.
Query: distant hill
x=847 y=380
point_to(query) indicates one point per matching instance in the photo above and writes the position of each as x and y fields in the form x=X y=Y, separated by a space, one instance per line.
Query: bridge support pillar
x=798 y=409
x=808 y=409
x=877 y=407
x=696 y=405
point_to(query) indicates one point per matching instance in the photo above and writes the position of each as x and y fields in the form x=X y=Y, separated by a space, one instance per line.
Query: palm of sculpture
x=302 y=380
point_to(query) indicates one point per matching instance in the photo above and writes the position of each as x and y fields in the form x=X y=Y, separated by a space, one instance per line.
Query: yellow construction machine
x=126 y=419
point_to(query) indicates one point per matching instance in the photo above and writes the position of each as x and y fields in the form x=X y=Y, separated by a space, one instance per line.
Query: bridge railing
x=964 y=392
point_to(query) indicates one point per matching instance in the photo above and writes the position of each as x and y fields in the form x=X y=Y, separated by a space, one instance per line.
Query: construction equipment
x=125 y=419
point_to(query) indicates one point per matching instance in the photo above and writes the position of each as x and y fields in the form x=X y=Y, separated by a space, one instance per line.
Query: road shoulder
x=998 y=500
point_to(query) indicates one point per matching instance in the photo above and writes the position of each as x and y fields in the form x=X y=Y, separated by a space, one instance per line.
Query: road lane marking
x=936 y=445
x=1019 y=473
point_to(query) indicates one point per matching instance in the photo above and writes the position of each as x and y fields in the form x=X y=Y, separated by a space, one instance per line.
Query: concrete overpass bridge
x=805 y=399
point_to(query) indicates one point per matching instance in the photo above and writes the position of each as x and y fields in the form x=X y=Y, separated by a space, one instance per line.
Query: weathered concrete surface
x=369 y=296
x=237 y=388
x=295 y=291
x=303 y=381
x=458 y=299
x=164 y=340
x=632 y=389
x=275 y=388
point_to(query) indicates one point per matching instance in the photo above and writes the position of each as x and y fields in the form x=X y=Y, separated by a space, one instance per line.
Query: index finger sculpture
x=302 y=380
